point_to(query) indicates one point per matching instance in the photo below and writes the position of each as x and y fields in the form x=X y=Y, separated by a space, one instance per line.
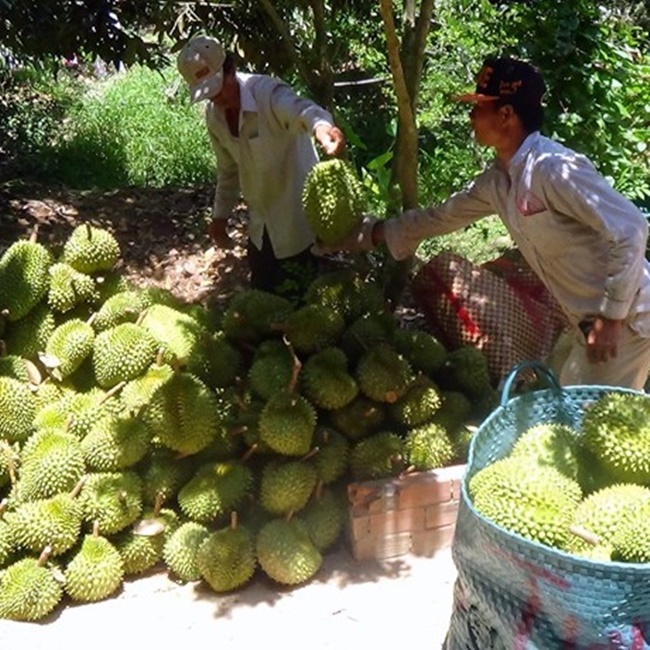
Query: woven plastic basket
x=515 y=593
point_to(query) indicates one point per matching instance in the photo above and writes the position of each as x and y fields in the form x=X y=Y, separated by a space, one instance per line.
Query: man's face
x=228 y=96
x=487 y=120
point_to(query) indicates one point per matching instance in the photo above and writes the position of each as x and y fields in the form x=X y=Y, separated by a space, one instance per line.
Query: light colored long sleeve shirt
x=585 y=240
x=268 y=161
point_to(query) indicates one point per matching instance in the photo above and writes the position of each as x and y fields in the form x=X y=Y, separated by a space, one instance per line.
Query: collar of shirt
x=519 y=159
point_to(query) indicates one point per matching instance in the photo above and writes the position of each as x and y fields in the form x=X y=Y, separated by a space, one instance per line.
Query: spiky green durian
x=69 y=287
x=552 y=444
x=69 y=345
x=137 y=392
x=54 y=522
x=116 y=442
x=89 y=249
x=455 y=410
x=286 y=485
x=29 y=590
x=366 y=331
x=271 y=369
x=121 y=307
x=29 y=335
x=326 y=381
x=217 y=361
x=603 y=513
x=95 y=571
x=536 y=502
x=631 y=542
x=251 y=313
x=421 y=348
x=108 y=283
x=287 y=423
x=7 y=545
x=331 y=460
x=324 y=516
x=51 y=462
x=418 y=404
x=347 y=292
x=333 y=199
x=466 y=370
x=311 y=328
x=226 y=558
x=24 y=278
x=180 y=550
x=122 y=353
x=14 y=366
x=286 y=553
x=616 y=428
x=358 y=419
x=215 y=490
x=163 y=473
x=112 y=499
x=18 y=409
x=428 y=446
x=379 y=455
x=183 y=413
x=383 y=374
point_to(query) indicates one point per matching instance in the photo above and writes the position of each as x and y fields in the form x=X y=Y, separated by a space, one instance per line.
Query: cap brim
x=208 y=88
x=474 y=98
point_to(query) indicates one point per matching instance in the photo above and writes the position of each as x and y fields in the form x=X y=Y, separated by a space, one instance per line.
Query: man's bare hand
x=331 y=139
x=603 y=338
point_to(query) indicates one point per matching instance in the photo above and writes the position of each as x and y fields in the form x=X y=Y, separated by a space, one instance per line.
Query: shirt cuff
x=398 y=246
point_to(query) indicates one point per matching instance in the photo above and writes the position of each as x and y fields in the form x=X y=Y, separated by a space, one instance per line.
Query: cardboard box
x=414 y=513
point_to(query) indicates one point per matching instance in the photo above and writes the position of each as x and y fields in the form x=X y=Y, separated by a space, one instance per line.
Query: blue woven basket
x=515 y=593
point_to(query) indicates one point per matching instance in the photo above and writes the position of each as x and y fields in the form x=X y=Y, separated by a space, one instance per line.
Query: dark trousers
x=288 y=277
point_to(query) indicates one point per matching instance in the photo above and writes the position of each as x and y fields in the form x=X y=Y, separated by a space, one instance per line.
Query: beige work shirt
x=268 y=161
x=585 y=240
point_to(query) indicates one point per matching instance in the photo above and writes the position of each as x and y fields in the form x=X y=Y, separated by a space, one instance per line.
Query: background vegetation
x=128 y=122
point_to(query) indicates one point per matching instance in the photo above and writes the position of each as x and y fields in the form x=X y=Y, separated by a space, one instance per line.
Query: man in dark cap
x=585 y=241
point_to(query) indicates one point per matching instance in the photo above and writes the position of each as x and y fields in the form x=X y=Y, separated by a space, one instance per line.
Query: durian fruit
x=89 y=249
x=112 y=499
x=358 y=419
x=366 y=331
x=183 y=413
x=251 y=314
x=383 y=374
x=422 y=350
x=18 y=409
x=631 y=542
x=163 y=473
x=226 y=558
x=616 y=429
x=603 y=513
x=51 y=462
x=287 y=423
x=428 y=446
x=54 y=522
x=552 y=444
x=95 y=572
x=218 y=362
x=286 y=553
x=13 y=366
x=68 y=346
x=325 y=379
x=286 y=485
x=332 y=457
x=536 y=502
x=121 y=307
x=7 y=544
x=324 y=516
x=379 y=455
x=137 y=392
x=454 y=412
x=122 y=353
x=28 y=336
x=215 y=490
x=418 y=405
x=29 y=589
x=109 y=283
x=311 y=328
x=116 y=442
x=333 y=199
x=24 y=278
x=272 y=368
x=466 y=370
x=180 y=550
x=69 y=288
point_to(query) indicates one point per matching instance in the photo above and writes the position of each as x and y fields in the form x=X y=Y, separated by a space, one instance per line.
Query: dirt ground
x=349 y=604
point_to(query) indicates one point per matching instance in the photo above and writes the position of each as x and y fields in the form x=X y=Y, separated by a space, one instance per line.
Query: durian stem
x=45 y=554
x=89 y=231
x=3 y=506
x=238 y=431
x=92 y=318
x=33 y=237
x=297 y=366
x=289 y=515
x=34 y=374
x=234 y=519
x=112 y=392
x=161 y=350
x=310 y=454
x=95 y=528
x=586 y=535
x=158 y=503
x=78 y=486
x=249 y=452
x=318 y=492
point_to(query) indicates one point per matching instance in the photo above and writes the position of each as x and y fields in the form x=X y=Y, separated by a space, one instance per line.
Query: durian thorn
x=33 y=237
x=77 y=488
x=95 y=528
x=249 y=452
x=112 y=392
x=310 y=454
x=234 y=519
x=586 y=535
x=44 y=556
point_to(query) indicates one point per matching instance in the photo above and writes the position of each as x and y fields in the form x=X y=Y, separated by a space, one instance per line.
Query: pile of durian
x=584 y=490
x=138 y=431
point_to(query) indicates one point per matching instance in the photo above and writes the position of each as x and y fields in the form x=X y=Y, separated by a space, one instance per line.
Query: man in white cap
x=261 y=132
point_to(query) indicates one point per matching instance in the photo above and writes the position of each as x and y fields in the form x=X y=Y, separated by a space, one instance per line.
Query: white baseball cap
x=200 y=63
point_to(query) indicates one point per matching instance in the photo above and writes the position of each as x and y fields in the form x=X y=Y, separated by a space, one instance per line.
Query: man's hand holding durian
x=366 y=236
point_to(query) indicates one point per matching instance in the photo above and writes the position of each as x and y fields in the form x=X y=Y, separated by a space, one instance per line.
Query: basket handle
x=539 y=368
